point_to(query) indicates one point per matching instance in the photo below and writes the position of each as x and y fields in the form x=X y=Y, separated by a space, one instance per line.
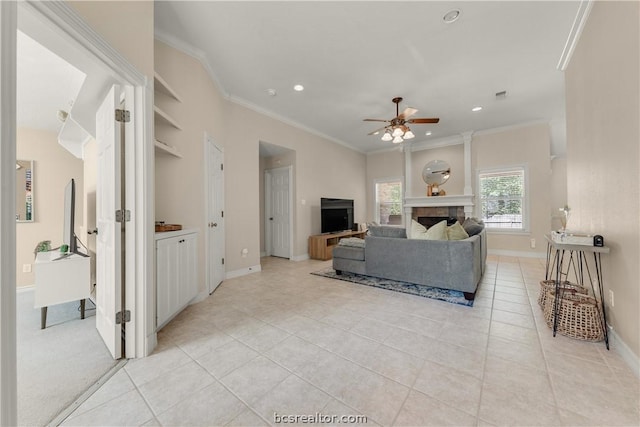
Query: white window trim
x=526 y=220
x=376 y=212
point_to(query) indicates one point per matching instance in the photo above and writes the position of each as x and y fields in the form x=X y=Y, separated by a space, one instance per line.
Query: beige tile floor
x=287 y=342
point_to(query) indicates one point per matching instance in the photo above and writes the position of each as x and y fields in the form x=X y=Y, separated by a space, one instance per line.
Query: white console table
x=61 y=280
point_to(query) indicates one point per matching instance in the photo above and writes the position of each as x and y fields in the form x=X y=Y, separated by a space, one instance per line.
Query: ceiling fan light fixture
x=386 y=137
x=397 y=140
x=397 y=131
x=408 y=134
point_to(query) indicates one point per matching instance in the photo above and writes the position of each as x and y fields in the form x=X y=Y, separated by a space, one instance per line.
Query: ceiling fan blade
x=377 y=130
x=423 y=120
x=375 y=120
x=408 y=112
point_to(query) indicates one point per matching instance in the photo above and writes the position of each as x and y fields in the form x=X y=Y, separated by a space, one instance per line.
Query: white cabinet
x=176 y=273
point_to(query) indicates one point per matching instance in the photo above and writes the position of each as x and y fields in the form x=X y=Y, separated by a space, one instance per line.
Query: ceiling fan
x=397 y=129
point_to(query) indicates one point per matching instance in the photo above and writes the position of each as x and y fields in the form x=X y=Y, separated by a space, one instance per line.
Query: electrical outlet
x=26 y=268
x=611 y=300
x=533 y=243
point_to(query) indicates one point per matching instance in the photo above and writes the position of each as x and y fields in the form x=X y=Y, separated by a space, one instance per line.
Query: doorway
x=63 y=26
x=278 y=207
x=214 y=187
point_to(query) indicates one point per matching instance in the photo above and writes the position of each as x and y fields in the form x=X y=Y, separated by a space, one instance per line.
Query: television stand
x=321 y=245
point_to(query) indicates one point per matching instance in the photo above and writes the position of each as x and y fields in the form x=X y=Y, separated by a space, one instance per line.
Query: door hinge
x=222 y=261
x=123 y=215
x=119 y=317
x=123 y=116
x=221 y=166
x=222 y=214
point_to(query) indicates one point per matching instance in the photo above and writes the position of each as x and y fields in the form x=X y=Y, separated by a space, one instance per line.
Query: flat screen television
x=336 y=215
x=68 y=234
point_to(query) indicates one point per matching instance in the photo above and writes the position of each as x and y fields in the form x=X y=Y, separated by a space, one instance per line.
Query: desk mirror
x=24 y=191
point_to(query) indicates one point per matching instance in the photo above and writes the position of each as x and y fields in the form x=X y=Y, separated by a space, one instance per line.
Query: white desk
x=58 y=281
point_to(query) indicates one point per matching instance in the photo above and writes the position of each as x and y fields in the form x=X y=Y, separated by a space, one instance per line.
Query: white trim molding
x=624 y=351
x=518 y=254
x=584 y=9
x=243 y=272
x=8 y=336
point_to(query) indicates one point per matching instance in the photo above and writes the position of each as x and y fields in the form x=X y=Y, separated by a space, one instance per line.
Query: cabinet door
x=187 y=266
x=167 y=278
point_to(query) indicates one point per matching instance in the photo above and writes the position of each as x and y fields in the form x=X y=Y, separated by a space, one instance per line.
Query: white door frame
x=208 y=142
x=62 y=19
x=8 y=358
x=267 y=209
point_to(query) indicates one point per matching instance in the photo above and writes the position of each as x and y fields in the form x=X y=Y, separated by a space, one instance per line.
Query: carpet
x=56 y=364
x=448 y=295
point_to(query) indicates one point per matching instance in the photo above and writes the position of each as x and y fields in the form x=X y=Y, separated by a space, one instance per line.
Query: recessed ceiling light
x=451 y=16
x=298 y=88
x=271 y=92
x=428 y=133
x=478 y=108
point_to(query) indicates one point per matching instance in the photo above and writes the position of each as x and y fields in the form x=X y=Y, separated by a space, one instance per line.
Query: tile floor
x=287 y=342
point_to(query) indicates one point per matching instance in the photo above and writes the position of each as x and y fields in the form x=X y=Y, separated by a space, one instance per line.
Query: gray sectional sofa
x=448 y=264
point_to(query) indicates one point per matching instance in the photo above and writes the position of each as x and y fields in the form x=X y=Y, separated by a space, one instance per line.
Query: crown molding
x=193 y=52
x=246 y=104
x=510 y=127
x=69 y=22
x=574 y=34
x=198 y=54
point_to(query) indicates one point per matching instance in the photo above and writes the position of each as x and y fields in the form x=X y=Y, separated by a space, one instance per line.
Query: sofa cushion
x=473 y=226
x=355 y=242
x=456 y=232
x=436 y=232
x=386 y=231
x=348 y=252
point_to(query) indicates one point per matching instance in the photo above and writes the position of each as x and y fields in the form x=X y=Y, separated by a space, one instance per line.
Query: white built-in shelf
x=162 y=148
x=160 y=85
x=165 y=117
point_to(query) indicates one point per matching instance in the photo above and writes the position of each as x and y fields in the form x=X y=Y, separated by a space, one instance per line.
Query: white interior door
x=215 y=214
x=109 y=239
x=279 y=217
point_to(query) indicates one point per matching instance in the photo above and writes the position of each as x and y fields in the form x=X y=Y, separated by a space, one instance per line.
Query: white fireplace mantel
x=440 y=201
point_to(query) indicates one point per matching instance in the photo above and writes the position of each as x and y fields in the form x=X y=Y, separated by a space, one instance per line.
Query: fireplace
x=429 y=216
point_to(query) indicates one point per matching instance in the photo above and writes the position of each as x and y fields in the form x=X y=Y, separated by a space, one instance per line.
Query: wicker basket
x=578 y=316
x=545 y=285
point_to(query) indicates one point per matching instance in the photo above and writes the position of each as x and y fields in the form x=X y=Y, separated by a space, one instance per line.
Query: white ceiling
x=45 y=84
x=354 y=57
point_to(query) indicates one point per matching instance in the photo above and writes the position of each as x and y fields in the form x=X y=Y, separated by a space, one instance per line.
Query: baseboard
x=616 y=343
x=28 y=288
x=202 y=295
x=151 y=344
x=302 y=257
x=243 y=272
x=519 y=254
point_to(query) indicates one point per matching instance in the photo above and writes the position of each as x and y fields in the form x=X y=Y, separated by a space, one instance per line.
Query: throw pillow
x=436 y=232
x=456 y=232
x=472 y=227
x=417 y=230
x=386 y=231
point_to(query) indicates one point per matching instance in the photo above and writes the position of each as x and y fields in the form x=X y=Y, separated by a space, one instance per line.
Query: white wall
x=383 y=165
x=53 y=169
x=603 y=164
x=525 y=145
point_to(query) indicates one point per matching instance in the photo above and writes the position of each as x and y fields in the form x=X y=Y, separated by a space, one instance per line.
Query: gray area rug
x=57 y=364
x=448 y=295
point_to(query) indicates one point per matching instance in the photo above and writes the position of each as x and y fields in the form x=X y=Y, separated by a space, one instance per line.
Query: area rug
x=448 y=295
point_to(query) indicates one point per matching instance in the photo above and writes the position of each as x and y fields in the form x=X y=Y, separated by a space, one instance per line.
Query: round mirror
x=436 y=172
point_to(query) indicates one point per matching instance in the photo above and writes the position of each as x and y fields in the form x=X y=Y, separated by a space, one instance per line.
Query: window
x=503 y=199
x=389 y=202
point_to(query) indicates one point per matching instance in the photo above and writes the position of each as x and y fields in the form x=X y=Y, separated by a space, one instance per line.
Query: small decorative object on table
x=566 y=213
